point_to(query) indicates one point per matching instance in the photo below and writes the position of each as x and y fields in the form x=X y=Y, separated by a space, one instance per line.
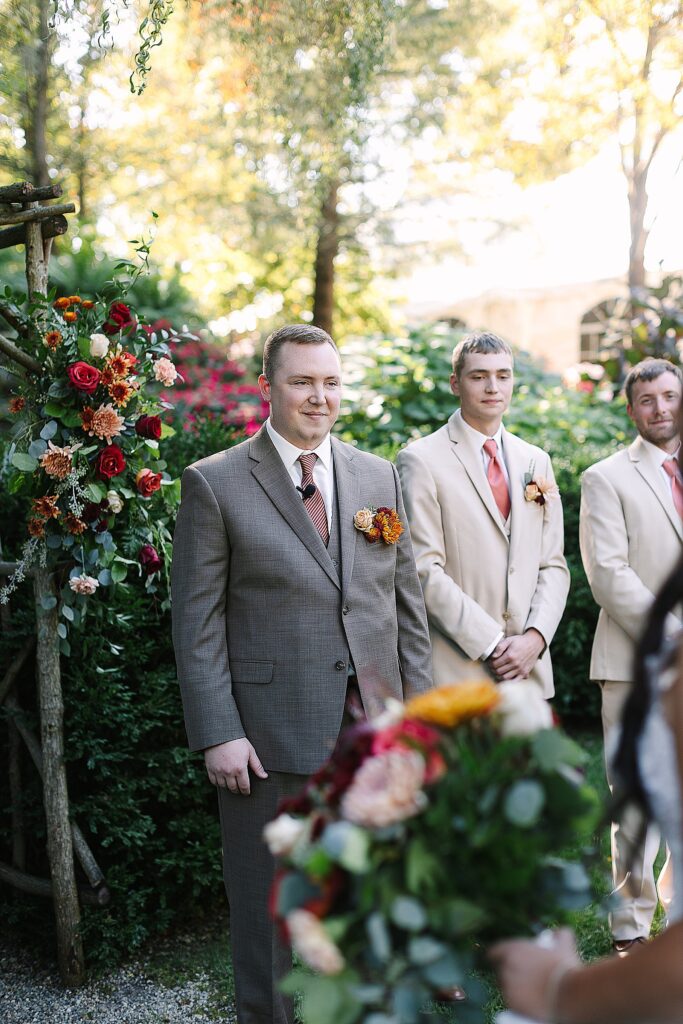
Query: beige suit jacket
x=478 y=581
x=631 y=538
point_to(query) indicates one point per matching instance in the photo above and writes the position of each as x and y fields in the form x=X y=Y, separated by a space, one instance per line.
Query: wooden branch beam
x=41 y=887
x=18 y=356
x=51 y=228
x=13 y=320
x=7 y=568
x=15 y=668
x=35 y=213
x=92 y=869
x=18 y=192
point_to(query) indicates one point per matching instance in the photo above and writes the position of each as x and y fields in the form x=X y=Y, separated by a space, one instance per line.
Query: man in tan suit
x=282 y=609
x=631 y=538
x=490 y=559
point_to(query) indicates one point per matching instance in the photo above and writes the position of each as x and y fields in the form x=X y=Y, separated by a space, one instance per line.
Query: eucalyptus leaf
x=424 y=949
x=49 y=430
x=408 y=913
x=48 y=602
x=347 y=844
x=445 y=972
x=24 y=462
x=65 y=648
x=95 y=492
x=105 y=577
x=68 y=612
x=62 y=630
x=118 y=572
x=378 y=934
x=524 y=802
x=37 y=448
x=53 y=541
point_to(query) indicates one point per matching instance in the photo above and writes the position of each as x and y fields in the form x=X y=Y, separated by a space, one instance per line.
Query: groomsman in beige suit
x=282 y=612
x=490 y=559
x=631 y=536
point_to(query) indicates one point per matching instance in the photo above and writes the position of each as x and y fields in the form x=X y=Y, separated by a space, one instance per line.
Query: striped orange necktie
x=315 y=503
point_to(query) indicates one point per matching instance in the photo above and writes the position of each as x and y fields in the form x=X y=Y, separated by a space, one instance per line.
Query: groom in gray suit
x=281 y=610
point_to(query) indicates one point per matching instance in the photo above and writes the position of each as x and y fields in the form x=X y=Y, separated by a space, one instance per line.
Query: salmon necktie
x=314 y=503
x=672 y=470
x=496 y=478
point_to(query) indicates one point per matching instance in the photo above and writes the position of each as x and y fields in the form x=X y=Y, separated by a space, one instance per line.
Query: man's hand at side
x=515 y=656
x=228 y=764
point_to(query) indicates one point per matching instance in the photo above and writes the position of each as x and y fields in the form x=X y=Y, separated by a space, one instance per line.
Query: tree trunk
x=326 y=250
x=59 y=843
x=38 y=101
x=637 y=205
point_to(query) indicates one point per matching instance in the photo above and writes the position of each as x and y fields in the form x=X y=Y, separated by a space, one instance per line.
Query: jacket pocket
x=259 y=672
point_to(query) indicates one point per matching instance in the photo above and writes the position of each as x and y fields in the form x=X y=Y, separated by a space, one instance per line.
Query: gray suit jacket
x=263 y=625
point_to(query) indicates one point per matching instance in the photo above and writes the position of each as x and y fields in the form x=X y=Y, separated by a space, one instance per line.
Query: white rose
x=115 y=501
x=99 y=345
x=523 y=709
x=282 y=834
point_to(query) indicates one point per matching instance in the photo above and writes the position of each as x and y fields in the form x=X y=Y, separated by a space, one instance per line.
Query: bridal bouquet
x=85 y=449
x=430 y=832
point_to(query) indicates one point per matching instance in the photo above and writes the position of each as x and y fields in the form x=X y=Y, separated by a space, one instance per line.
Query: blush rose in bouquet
x=431 y=832
x=85 y=450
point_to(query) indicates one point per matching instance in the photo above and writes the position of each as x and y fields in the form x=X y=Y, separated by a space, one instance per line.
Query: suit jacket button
x=506 y=616
x=339 y=665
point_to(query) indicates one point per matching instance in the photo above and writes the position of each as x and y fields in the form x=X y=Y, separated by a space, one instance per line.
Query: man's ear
x=264 y=387
x=455 y=385
x=629 y=410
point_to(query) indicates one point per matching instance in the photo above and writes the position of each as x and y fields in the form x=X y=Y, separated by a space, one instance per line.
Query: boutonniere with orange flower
x=378 y=524
x=539 y=489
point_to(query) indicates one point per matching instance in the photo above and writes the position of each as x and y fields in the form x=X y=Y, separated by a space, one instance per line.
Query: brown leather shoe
x=623 y=947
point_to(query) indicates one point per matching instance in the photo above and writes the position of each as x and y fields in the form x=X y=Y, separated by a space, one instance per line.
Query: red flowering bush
x=214 y=387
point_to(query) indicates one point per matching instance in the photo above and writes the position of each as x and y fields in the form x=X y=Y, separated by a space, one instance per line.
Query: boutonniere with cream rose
x=378 y=524
x=539 y=489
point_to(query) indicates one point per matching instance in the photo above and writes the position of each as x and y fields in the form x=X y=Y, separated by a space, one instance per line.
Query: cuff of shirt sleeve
x=489 y=650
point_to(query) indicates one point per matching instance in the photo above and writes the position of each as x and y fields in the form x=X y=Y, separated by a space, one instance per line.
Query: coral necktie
x=315 y=503
x=671 y=468
x=496 y=478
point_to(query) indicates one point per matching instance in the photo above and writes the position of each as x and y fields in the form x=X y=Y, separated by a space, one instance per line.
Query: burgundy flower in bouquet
x=149 y=426
x=147 y=482
x=83 y=377
x=150 y=559
x=119 y=318
x=110 y=462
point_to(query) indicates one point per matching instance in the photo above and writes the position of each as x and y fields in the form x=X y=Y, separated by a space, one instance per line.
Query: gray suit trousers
x=259 y=956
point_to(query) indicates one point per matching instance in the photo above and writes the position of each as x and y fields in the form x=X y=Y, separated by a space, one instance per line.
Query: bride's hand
x=530 y=975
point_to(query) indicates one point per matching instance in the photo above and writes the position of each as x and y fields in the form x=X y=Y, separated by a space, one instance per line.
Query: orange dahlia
x=36 y=527
x=74 y=524
x=389 y=525
x=454 y=703
x=62 y=303
x=52 y=340
x=58 y=462
x=74 y=300
x=46 y=507
x=87 y=304
x=120 y=392
x=70 y=316
x=105 y=423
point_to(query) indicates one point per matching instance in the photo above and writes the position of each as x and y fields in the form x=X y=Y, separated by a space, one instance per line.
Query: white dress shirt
x=323 y=471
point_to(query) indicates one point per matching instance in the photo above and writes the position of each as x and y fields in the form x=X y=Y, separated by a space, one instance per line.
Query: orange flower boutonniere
x=539 y=489
x=378 y=524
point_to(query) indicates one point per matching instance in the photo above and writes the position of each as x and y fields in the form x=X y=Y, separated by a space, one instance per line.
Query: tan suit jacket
x=477 y=577
x=631 y=538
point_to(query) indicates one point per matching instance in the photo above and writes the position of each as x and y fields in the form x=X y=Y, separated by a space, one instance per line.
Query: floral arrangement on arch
x=430 y=832
x=86 y=445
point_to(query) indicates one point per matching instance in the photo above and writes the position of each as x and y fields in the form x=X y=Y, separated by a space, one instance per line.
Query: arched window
x=601 y=327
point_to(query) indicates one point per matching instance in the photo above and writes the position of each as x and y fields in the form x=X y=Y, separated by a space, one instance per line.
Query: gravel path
x=31 y=995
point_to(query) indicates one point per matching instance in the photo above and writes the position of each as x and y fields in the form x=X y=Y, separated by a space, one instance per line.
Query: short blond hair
x=477 y=341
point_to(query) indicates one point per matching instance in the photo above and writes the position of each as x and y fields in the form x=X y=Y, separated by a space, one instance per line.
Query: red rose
x=147 y=482
x=120 y=318
x=149 y=426
x=150 y=559
x=110 y=462
x=83 y=376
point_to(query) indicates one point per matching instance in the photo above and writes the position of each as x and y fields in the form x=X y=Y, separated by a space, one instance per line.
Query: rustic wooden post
x=55 y=794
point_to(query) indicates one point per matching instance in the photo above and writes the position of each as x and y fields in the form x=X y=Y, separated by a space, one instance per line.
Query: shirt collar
x=289 y=453
x=480 y=439
x=657 y=454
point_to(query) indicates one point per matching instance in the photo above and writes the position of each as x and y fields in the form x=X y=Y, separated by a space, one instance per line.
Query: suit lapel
x=651 y=473
x=270 y=472
x=518 y=463
x=470 y=458
x=347 y=486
